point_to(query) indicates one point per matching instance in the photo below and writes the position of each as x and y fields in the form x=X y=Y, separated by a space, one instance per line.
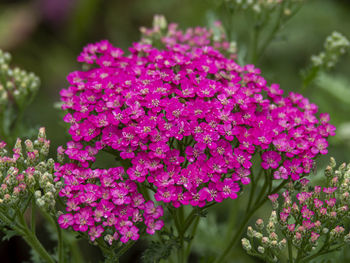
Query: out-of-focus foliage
x=17 y=90
x=45 y=36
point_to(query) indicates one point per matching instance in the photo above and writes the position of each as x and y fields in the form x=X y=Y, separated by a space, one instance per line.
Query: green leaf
x=35 y=257
x=158 y=251
x=9 y=233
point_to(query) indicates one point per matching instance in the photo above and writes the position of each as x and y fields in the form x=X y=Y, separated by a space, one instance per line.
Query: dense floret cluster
x=317 y=211
x=27 y=174
x=185 y=120
x=101 y=201
x=311 y=219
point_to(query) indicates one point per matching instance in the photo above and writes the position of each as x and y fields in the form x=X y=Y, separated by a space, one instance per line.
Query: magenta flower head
x=184 y=119
x=109 y=204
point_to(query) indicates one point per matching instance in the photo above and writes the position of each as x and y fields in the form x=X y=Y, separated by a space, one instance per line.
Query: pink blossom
x=95 y=232
x=270 y=159
x=129 y=233
x=65 y=220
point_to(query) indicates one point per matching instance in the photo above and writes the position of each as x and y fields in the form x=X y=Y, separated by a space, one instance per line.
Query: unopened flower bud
x=314 y=237
x=29 y=145
x=42 y=134
x=265 y=241
x=250 y=232
x=274 y=243
x=347 y=238
x=232 y=48
x=40 y=202
x=261 y=249
x=334 y=181
x=282 y=244
x=336 y=232
x=37 y=194
x=259 y=224
x=160 y=22
x=7 y=197
x=109 y=239
x=273 y=236
x=332 y=162
x=60 y=154
x=45 y=148
x=328 y=171
x=246 y=244
x=342 y=167
x=258 y=235
x=270 y=227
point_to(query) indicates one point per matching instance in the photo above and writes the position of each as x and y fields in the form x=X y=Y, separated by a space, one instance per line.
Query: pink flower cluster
x=20 y=172
x=13 y=181
x=188 y=118
x=198 y=37
x=101 y=201
x=306 y=214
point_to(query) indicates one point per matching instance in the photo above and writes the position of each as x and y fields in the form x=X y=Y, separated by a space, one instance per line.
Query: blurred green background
x=45 y=36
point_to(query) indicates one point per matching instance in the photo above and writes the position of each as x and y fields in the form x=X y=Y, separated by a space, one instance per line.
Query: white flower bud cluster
x=159 y=22
x=28 y=173
x=335 y=46
x=259 y=6
x=246 y=245
x=340 y=179
x=265 y=238
x=159 y=27
x=16 y=86
x=307 y=215
x=347 y=238
x=256 y=5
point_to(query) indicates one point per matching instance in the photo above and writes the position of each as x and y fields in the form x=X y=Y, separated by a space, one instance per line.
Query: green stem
x=61 y=258
x=76 y=253
x=106 y=251
x=279 y=23
x=62 y=238
x=194 y=230
x=309 y=258
x=189 y=220
x=125 y=248
x=2 y=126
x=33 y=241
x=175 y=217
x=181 y=216
x=32 y=221
x=290 y=252
x=249 y=214
x=255 y=41
x=273 y=32
x=251 y=194
x=181 y=231
x=263 y=190
x=192 y=216
x=228 y=15
x=236 y=236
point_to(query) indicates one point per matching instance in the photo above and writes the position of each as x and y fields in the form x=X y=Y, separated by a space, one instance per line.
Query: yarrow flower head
x=307 y=214
x=100 y=200
x=28 y=173
x=304 y=217
x=185 y=120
